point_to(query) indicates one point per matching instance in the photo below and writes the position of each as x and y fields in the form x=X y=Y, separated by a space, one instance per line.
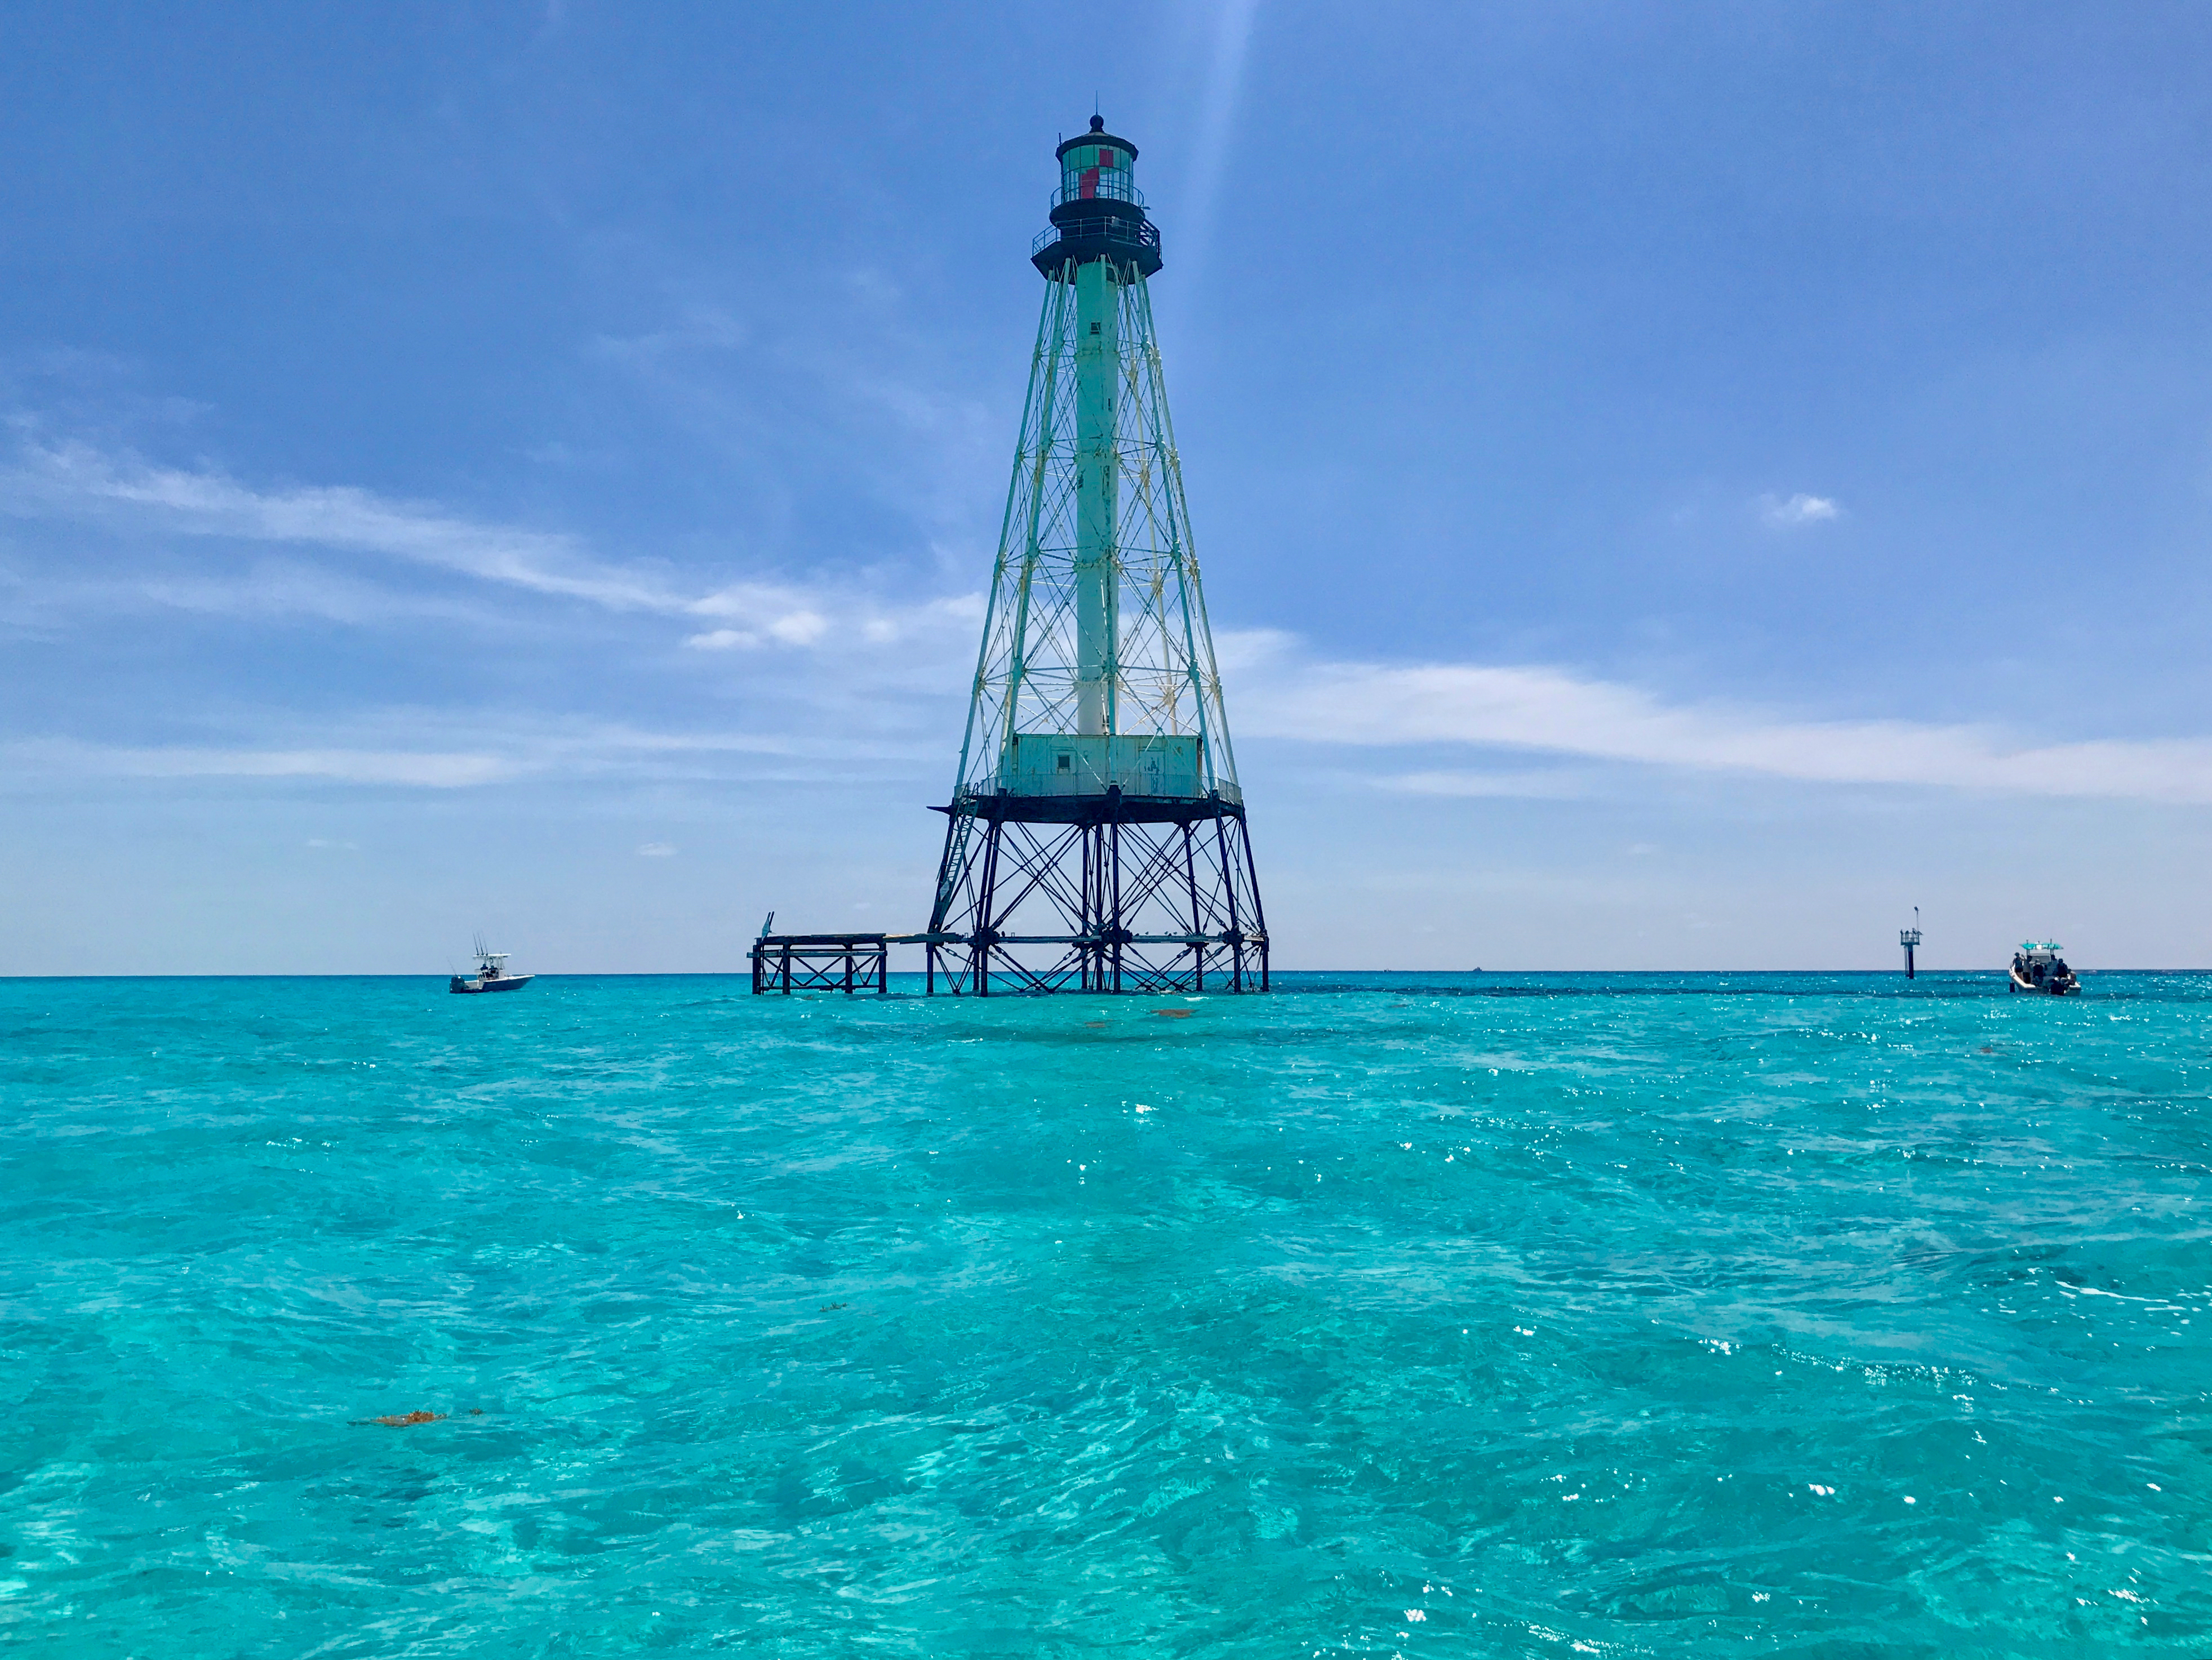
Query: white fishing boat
x=491 y=973
x=2036 y=967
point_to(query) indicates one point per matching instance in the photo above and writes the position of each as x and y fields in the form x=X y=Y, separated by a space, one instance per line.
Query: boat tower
x=1096 y=838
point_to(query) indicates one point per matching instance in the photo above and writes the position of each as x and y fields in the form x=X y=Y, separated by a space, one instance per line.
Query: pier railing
x=1105 y=227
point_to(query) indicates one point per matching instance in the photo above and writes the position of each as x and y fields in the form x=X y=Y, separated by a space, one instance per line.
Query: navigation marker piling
x=1910 y=939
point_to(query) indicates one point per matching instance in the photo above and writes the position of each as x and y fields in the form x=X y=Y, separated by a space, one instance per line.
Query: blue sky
x=1678 y=485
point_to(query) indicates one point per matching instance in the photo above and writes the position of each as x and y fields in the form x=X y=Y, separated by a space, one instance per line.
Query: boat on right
x=2036 y=967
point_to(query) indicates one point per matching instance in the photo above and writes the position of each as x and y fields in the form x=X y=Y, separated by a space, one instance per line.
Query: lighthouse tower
x=1096 y=838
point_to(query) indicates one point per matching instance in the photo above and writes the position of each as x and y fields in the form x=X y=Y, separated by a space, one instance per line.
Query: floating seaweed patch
x=1174 y=1013
x=402 y=1419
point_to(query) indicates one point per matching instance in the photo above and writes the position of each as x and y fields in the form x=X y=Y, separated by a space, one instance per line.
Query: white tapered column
x=1097 y=375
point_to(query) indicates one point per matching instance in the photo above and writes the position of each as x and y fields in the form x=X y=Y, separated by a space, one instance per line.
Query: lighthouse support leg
x=1104 y=896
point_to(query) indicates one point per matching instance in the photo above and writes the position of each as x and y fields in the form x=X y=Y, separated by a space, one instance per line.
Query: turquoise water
x=1386 y=1315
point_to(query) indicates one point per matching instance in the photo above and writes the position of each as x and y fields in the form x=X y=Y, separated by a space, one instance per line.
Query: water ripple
x=1612 y=1315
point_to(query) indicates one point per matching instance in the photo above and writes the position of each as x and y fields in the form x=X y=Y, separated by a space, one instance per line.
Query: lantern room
x=1097 y=167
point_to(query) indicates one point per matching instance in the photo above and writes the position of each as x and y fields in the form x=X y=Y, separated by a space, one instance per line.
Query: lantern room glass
x=1097 y=171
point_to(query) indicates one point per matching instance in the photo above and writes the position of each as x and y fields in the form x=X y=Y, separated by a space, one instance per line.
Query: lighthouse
x=1095 y=837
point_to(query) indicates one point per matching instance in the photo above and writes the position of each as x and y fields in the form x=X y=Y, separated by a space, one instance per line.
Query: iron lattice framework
x=1098 y=903
x=1161 y=677
x=1095 y=840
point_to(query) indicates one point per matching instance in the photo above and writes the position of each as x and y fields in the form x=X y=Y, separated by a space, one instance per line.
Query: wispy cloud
x=416 y=769
x=76 y=482
x=1522 y=784
x=1552 y=711
x=656 y=849
x=430 y=749
x=1278 y=688
x=763 y=613
x=700 y=329
x=1790 y=512
x=271 y=590
x=1536 y=710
